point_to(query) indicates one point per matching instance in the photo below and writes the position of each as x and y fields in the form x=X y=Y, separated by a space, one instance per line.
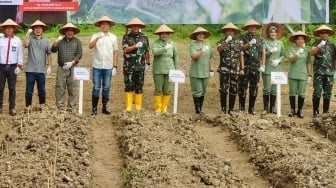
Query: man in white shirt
x=11 y=62
x=105 y=61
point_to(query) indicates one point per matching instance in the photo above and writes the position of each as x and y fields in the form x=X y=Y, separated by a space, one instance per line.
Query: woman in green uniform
x=165 y=59
x=275 y=53
x=201 y=67
x=299 y=71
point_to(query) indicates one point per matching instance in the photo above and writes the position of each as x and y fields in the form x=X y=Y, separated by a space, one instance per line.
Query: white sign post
x=176 y=76
x=81 y=73
x=279 y=78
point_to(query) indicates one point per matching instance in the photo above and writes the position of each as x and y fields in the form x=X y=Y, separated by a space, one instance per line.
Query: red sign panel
x=49 y=6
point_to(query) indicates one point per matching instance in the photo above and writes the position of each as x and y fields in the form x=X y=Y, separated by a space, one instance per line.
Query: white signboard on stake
x=176 y=76
x=81 y=73
x=279 y=78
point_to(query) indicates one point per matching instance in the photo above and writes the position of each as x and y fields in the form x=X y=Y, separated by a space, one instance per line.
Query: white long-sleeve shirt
x=14 y=50
x=103 y=51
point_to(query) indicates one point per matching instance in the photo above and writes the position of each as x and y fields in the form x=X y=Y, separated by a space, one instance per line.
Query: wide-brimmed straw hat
x=135 y=21
x=69 y=26
x=164 y=29
x=199 y=30
x=299 y=33
x=39 y=23
x=230 y=26
x=277 y=26
x=251 y=22
x=323 y=28
x=104 y=19
x=9 y=22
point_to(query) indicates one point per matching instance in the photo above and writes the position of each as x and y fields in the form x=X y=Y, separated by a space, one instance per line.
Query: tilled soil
x=145 y=149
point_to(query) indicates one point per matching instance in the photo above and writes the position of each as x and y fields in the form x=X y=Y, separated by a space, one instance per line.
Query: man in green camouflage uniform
x=136 y=59
x=324 y=65
x=231 y=65
x=254 y=53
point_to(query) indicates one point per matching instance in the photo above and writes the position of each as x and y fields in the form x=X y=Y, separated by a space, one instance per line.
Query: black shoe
x=105 y=111
x=94 y=112
x=12 y=112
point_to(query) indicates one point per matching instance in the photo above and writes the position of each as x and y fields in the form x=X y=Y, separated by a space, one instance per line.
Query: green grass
x=182 y=31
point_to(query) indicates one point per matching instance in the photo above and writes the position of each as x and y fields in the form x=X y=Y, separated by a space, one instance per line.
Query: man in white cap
x=136 y=59
x=105 y=62
x=324 y=66
x=11 y=62
x=39 y=55
x=70 y=51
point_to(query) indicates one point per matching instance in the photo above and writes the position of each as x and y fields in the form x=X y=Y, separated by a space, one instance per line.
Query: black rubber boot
x=266 y=102
x=223 y=102
x=104 y=109
x=272 y=104
x=42 y=99
x=201 y=104
x=94 y=105
x=316 y=104
x=197 y=103
x=300 y=105
x=28 y=101
x=232 y=99
x=292 y=106
x=326 y=104
x=242 y=103
x=252 y=100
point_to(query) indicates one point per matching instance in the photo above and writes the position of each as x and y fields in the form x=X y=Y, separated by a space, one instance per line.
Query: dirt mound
x=285 y=153
x=163 y=150
x=46 y=148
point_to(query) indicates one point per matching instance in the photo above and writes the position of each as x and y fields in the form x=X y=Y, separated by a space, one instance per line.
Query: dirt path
x=221 y=144
x=106 y=161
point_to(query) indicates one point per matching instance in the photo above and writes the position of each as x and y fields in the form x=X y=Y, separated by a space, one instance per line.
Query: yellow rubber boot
x=157 y=103
x=165 y=103
x=129 y=101
x=138 y=101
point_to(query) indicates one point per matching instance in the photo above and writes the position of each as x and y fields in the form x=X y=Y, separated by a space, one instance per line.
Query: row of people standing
x=241 y=62
x=39 y=62
x=243 y=59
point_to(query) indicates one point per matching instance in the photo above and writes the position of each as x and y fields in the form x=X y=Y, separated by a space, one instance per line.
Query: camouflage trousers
x=249 y=80
x=134 y=81
x=228 y=81
x=323 y=83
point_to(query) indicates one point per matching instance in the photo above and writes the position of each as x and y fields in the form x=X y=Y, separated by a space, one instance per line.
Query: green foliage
x=127 y=175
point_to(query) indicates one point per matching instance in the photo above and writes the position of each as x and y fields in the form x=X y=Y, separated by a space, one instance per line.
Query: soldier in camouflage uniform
x=254 y=54
x=324 y=65
x=136 y=59
x=231 y=65
x=275 y=53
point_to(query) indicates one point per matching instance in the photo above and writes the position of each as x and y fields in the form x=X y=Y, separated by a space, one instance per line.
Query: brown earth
x=144 y=149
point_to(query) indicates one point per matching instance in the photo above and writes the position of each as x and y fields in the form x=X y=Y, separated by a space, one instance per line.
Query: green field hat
x=273 y=25
x=199 y=30
x=9 y=22
x=230 y=26
x=39 y=23
x=253 y=23
x=323 y=28
x=164 y=29
x=69 y=26
x=104 y=19
x=299 y=33
x=135 y=21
